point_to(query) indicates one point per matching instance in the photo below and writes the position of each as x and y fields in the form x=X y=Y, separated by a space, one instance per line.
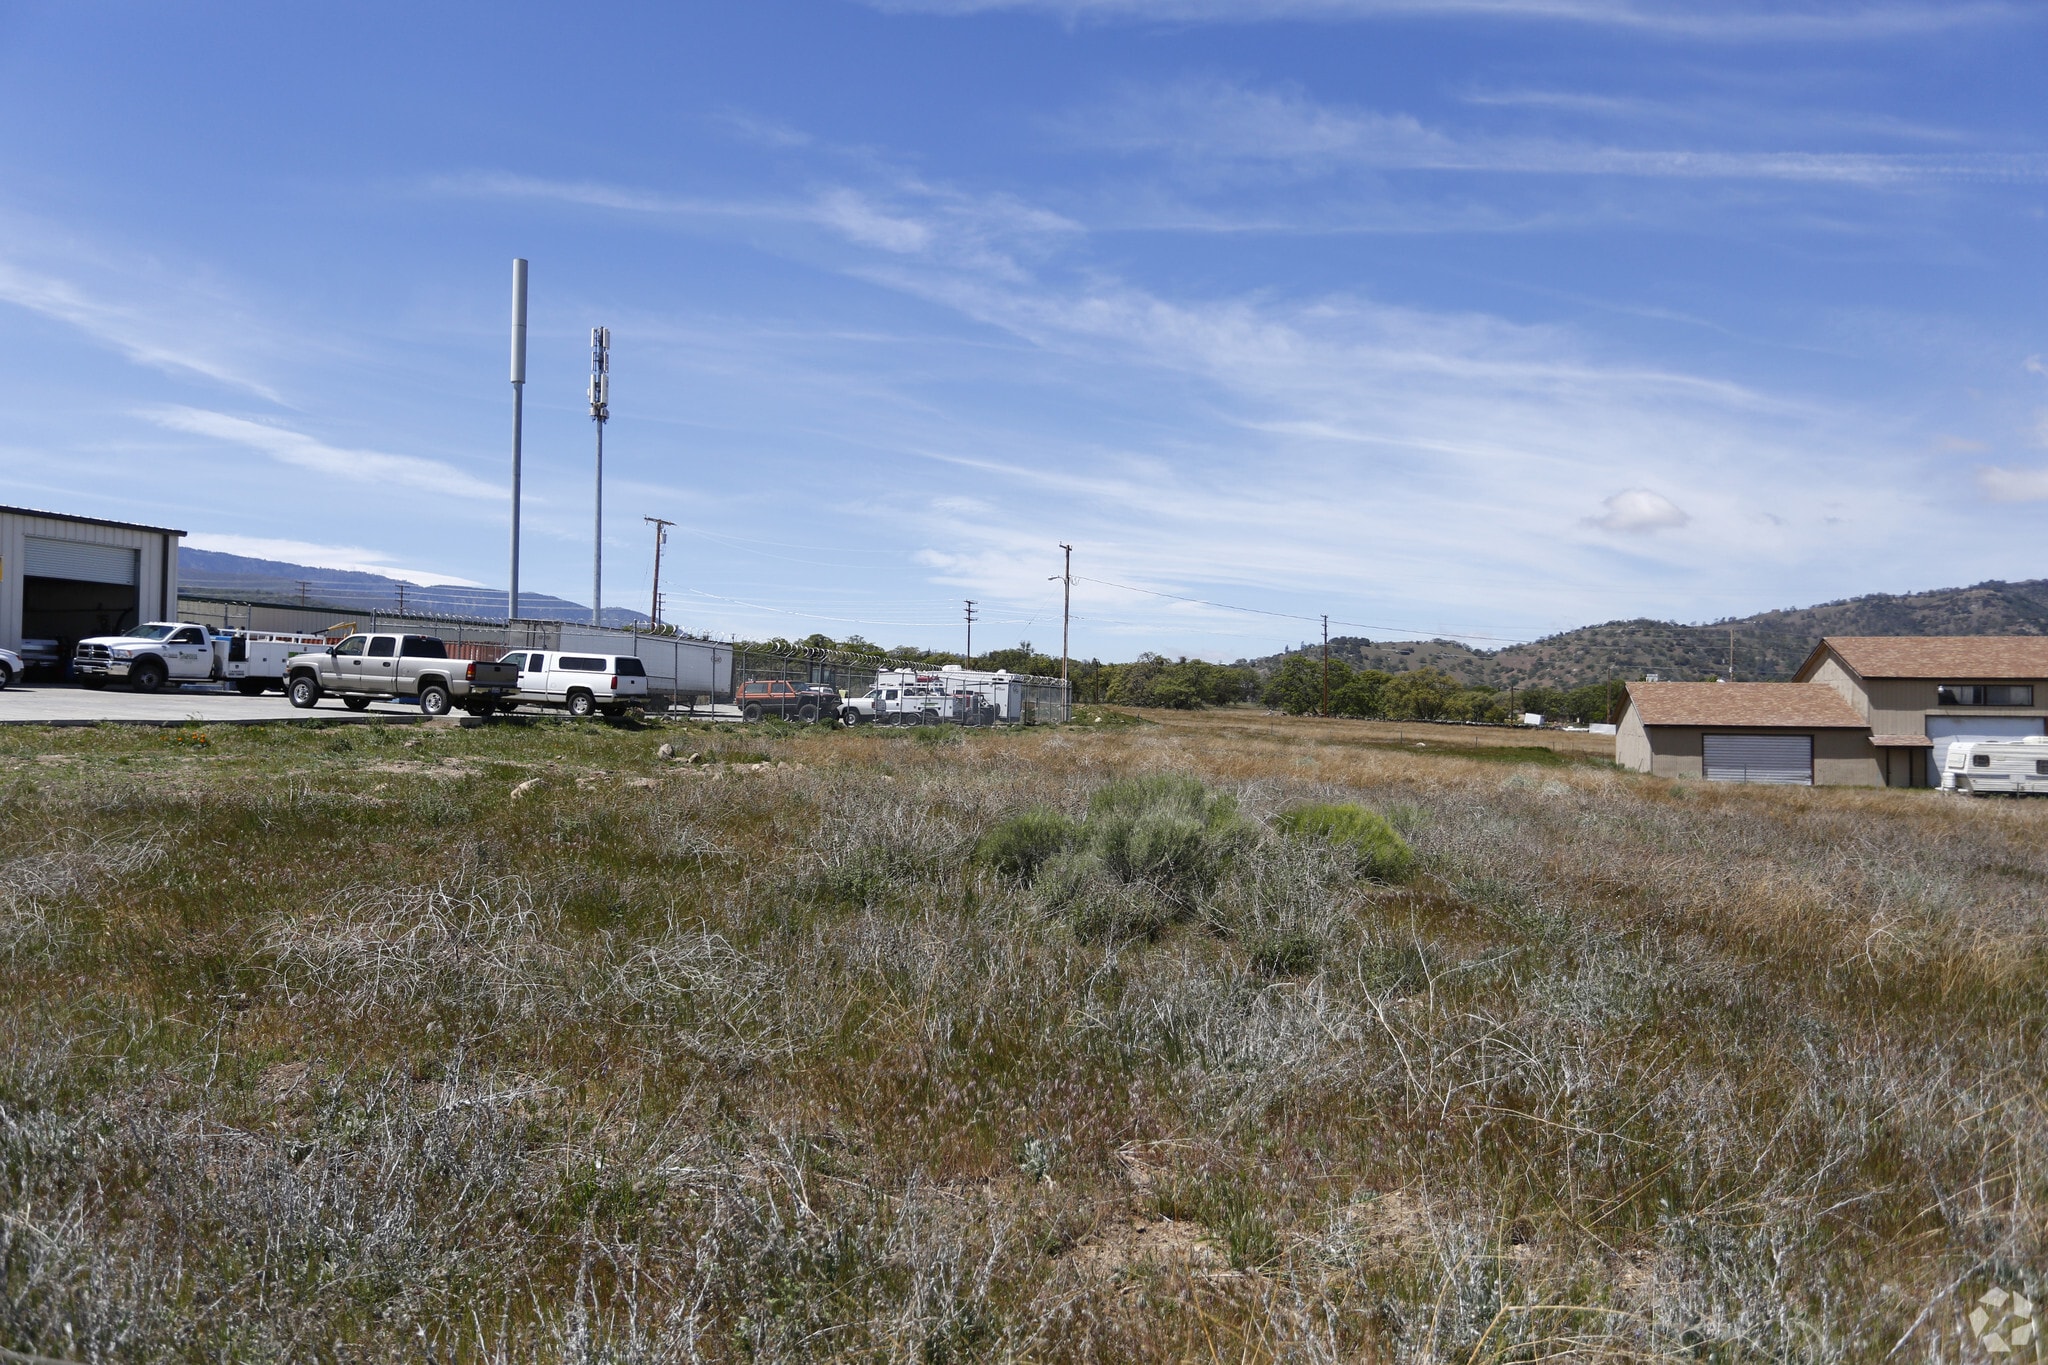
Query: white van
x=2006 y=767
x=582 y=684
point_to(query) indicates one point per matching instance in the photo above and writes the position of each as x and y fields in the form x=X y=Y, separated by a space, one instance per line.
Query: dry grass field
x=524 y=1043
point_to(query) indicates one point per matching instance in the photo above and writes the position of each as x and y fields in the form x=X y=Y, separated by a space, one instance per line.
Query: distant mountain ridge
x=211 y=573
x=1768 y=646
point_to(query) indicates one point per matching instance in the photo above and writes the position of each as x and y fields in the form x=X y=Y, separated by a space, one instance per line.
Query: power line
x=848 y=620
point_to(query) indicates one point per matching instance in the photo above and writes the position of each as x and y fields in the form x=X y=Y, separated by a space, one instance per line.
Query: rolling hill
x=1768 y=646
x=210 y=573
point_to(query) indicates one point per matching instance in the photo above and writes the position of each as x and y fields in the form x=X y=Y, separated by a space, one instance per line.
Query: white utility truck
x=257 y=658
x=947 y=696
x=164 y=654
x=2002 y=767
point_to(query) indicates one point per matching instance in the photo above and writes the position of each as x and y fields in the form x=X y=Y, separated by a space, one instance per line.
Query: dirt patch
x=283 y=1082
x=1122 y=1244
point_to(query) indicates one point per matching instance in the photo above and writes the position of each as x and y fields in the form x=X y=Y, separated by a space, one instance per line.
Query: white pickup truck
x=166 y=653
x=363 y=668
x=581 y=684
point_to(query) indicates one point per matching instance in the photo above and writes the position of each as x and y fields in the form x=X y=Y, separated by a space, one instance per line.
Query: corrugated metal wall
x=156 y=562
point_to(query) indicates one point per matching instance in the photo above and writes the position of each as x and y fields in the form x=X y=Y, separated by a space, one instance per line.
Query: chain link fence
x=687 y=675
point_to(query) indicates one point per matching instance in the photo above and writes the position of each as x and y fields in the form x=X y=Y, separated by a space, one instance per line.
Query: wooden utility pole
x=1066 y=607
x=1731 y=654
x=970 y=635
x=660 y=539
x=1326 y=664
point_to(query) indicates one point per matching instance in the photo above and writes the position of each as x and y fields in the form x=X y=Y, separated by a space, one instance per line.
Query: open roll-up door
x=1785 y=759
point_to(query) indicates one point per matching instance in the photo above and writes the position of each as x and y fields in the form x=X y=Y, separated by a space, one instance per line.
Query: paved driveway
x=67 y=704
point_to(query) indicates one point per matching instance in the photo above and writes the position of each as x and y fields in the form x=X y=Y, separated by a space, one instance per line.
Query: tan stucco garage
x=1796 y=733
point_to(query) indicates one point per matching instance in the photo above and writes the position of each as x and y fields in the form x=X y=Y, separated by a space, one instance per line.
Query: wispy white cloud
x=1332 y=445
x=159 y=334
x=353 y=558
x=305 y=452
x=1718 y=114
x=1727 y=20
x=1211 y=122
x=2013 y=485
x=900 y=213
x=1344 y=446
x=857 y=218
x=763 y=132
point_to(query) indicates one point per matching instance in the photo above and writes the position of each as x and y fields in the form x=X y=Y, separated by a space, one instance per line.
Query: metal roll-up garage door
x=1759 y=758
x=1947 y=730
x=78 y=560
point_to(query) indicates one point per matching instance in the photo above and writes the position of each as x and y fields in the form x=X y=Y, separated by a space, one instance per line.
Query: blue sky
x=1492 y=317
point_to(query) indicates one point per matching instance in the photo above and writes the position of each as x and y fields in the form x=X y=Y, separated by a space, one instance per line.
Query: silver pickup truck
x=363 y=668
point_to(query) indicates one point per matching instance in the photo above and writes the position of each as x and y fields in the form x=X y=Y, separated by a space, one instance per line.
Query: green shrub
x=1381 y=853
x=1020 y=845
x=1166 y=831
x=1150 y=850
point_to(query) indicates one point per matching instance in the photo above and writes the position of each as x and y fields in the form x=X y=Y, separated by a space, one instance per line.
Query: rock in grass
x=1380 y=851
x=524 y=787
x=666 y=751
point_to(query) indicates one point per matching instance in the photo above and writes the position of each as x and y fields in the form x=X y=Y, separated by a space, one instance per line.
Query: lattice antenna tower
x=600 y=413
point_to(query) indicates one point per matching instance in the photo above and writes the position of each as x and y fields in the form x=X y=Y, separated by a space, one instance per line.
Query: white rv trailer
x=2005 y=767
x=1001 y=692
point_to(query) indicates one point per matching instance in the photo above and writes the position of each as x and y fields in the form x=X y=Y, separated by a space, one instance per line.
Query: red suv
x=788 y=700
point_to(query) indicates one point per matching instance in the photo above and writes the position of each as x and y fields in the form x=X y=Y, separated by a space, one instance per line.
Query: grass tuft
x=1370 y=839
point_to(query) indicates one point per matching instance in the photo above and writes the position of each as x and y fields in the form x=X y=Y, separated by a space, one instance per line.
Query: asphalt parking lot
x=40 y=703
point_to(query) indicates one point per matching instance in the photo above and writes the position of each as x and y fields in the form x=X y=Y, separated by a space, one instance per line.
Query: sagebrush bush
x=1166 y=831
x=1020 y=845
x=1379 y=851
x=1150 y=849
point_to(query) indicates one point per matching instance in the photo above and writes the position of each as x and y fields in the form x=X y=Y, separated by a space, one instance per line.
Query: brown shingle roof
x=1948 y=658
x=1806 y=706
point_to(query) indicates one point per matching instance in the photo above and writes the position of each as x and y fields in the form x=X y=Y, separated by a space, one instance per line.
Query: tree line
x=1296 y=686
x=1426 y=693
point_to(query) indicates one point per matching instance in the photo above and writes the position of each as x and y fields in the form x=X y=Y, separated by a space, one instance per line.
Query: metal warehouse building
x=63 y=578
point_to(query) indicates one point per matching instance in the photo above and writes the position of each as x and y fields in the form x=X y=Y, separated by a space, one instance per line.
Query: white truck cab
x=150 y=657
